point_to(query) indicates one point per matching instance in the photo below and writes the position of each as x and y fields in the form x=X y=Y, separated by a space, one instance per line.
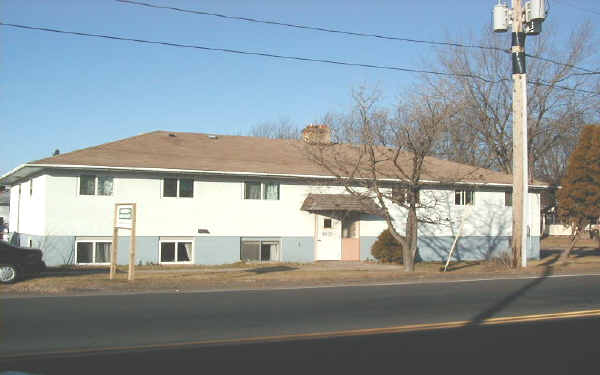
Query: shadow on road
x=502 y=304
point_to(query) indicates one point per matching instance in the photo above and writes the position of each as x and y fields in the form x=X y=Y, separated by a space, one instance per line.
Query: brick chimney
x=316 y=134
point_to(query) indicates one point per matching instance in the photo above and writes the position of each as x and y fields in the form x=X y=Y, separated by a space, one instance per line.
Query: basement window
x=260 y=250
x=92 y=252
x=463 y=197
x=178 y=187
x=180 y=251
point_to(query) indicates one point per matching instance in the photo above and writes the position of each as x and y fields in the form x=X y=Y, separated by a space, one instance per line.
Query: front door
x=328 y=238
x=351 y=236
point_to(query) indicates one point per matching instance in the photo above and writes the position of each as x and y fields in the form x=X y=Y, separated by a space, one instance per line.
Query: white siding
x=14 y=212
x=219 y=207
x=28 y=211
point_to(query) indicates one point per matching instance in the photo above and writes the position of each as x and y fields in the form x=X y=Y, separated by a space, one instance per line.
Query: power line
x=586 y=71
x=345 y=32
x=315 y=28
x=542 y=83
x=277 y=56
x=241 y=52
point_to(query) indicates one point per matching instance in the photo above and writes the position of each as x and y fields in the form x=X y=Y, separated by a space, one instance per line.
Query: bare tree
x=383 y=157
x=482 y=86
x=282 y=129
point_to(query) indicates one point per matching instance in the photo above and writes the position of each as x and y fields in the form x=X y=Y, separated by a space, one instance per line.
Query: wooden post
x=520 y=176
x=114 y=247
x=131 y=274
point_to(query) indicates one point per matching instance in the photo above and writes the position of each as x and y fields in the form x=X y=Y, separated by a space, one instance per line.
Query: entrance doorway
x=328 y=238
x=351 y=236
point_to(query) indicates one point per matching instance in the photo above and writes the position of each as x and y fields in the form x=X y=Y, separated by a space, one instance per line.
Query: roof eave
x=19 y=173
x=25 y=170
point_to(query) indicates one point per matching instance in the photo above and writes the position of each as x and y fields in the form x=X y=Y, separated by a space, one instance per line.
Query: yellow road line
x=316 y=335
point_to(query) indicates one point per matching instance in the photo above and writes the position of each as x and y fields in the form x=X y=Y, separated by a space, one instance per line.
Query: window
x=92 y=252
x=463 y=197
x=327 y=224
x=170 y=187
x=260 y=251
x=400 y=195
x=105 y=185
x=258 y=190
x=252 y=190
x=31 y=187
x=95 y=185
x=186 y=188
x=87 y=185
x=508 y=198
x=176 y=251
x=182 y=187
x=271 y=191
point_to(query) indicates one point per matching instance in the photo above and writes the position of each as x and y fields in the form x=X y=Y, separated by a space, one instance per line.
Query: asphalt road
x=547 y=347
x=50 y=324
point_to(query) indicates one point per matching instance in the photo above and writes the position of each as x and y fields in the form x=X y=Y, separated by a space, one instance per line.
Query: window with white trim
x=92 y=252
x=261 y=190
x=176 y=251
x=95 y=185
x=464 y=197
x=178 y=187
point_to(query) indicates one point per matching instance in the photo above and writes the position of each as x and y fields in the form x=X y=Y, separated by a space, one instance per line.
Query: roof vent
x=171 y=134
x=211 y=136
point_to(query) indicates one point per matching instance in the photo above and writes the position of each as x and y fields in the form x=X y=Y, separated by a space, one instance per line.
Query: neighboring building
x=553 y=225
x=204 y=199
x=4 y=209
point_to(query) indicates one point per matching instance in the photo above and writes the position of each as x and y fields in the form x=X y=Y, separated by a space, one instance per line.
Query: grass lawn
x=76 y=280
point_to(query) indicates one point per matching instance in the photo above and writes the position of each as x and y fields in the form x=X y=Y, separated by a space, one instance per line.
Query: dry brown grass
x=562 y=242
x=76 y=280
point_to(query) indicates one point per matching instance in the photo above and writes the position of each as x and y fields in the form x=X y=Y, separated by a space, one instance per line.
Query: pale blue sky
x=69 y=92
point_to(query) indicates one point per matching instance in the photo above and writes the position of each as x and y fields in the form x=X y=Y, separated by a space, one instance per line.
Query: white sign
x=125 y=216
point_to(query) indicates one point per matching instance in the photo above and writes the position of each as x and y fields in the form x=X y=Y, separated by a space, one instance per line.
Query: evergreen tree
x=579 y=196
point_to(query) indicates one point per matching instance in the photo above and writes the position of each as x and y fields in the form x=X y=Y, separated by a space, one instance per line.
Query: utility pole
x=520 y=176
x=526 y=21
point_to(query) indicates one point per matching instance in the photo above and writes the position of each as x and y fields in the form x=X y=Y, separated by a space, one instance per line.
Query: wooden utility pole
x=520 y=176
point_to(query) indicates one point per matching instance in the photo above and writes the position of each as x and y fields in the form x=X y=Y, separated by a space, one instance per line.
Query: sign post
x=125 y=218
